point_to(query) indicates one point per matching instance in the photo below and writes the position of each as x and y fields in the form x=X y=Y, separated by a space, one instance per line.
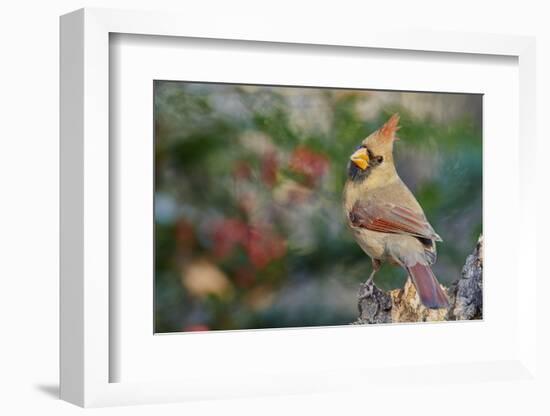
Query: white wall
x=29 y=177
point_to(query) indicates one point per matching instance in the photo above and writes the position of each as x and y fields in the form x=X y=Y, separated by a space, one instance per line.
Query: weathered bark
x=467 y=292
x=403 y=305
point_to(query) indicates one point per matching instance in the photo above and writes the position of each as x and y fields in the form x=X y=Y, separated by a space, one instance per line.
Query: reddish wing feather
x=390 y=218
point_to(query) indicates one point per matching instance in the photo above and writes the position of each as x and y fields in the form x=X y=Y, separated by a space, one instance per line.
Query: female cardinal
x=386 y=219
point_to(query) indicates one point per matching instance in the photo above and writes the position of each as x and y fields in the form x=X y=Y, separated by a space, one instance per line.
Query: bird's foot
x=374 y=304
x=366 y=289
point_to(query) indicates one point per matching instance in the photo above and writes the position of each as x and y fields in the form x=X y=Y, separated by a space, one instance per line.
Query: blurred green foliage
x=249 y=230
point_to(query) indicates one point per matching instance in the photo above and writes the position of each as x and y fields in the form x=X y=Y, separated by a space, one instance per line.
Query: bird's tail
x=427 y=287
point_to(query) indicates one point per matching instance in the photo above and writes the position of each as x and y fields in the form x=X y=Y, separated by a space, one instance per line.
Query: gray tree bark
x=403 y=305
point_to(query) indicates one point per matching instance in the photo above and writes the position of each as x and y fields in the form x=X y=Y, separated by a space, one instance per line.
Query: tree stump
x=403 y=305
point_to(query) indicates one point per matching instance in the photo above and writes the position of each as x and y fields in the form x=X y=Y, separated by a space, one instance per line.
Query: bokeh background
x=249 y=229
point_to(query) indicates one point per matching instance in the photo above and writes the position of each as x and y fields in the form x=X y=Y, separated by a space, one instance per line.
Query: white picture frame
x=86 y=355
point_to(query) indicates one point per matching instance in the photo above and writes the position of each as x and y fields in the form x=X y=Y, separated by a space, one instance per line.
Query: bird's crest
x=390 y=127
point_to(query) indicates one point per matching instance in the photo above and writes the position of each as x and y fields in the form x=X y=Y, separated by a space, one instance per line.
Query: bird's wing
x=387 y=217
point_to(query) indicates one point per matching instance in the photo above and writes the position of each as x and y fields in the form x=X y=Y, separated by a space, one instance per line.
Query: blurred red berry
x=242 y=170
x=244 y=277
x=263 y=246
x=227 y=234
x=309 y=163
x=269 y=168
x=185 y=235
x=261 y=243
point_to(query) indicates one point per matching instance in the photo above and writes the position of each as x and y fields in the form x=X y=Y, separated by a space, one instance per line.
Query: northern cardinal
x=386 y=219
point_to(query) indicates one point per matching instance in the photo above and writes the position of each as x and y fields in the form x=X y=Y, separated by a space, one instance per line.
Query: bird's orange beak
x=360 y=158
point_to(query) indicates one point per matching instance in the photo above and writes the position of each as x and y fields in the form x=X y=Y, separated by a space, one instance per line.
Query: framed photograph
x=266 y=203
x=268 y=212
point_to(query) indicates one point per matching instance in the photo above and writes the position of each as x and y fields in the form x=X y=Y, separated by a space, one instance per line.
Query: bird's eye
x=376 y=160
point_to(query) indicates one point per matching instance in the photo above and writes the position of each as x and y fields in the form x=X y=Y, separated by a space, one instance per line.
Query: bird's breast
x=372 y=242
x=352 y=193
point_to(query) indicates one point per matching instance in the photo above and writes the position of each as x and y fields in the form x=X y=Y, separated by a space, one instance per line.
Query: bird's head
x=375 y=150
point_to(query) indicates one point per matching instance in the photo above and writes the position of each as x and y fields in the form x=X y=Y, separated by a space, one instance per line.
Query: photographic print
x=283 y=206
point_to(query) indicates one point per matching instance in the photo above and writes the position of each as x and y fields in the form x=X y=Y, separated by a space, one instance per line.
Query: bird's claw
x=366 y=289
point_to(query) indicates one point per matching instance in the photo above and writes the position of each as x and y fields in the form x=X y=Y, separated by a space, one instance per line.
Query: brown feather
x=427 y=286
x=390 y=218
